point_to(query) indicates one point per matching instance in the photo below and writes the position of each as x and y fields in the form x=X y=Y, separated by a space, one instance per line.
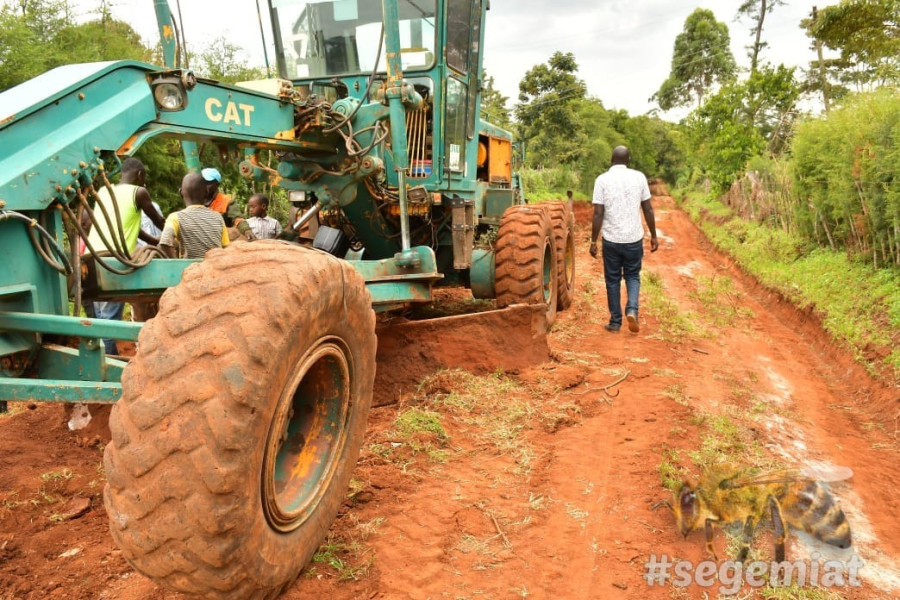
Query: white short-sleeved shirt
x=621 y=191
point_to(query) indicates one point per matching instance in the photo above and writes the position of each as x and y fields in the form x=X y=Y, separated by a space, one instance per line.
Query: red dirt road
x=543 y=484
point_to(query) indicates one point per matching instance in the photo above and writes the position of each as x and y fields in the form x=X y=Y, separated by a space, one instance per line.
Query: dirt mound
x=508 y=339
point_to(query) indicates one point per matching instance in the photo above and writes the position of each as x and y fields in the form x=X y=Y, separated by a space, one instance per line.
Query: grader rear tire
x=563 y=221
x=241 y=420
x=525 y=259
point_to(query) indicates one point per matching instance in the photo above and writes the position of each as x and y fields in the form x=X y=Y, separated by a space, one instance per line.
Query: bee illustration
x=797 y=498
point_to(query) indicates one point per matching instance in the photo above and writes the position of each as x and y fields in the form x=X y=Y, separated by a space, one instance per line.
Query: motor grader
x=237 y=424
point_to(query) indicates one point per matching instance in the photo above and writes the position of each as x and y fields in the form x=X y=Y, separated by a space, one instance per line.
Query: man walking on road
x=619 y=193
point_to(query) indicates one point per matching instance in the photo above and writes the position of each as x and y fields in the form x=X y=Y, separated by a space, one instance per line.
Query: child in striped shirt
x=196 y=229
x=263 y=226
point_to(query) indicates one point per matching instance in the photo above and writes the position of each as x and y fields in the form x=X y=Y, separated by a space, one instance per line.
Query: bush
x=847 y=183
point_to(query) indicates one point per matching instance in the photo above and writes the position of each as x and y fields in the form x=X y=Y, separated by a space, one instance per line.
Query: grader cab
x=238 y=422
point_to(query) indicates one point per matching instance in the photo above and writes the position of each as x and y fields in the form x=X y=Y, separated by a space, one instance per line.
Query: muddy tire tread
x=521 y=240
x=563 y=222
x=179 y=534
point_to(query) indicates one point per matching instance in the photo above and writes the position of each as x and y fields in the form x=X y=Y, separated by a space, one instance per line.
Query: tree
x=493 y=103
x=701 y=58
x=44 y=17
x=103 y=39
x=866 y=33
x=19 y=59
x=27 y=32
x=226 y=62
x=547 y=112
x=756 y=10
x=742 y=120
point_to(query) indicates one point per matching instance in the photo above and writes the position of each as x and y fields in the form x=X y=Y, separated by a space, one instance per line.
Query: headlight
x=297 y=196
x=169 y=94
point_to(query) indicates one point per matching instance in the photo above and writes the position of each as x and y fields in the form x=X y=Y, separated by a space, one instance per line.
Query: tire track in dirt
x=798 y=384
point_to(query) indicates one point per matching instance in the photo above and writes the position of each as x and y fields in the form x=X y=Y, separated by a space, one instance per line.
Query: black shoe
x=633 y=324
x=611 y=328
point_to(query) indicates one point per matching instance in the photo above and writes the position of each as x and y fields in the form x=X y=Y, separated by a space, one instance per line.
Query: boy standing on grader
x=263 y=226
x=196 y=229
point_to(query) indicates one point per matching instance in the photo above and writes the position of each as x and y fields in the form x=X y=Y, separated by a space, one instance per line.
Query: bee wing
x=825 y=473
x=765 y=478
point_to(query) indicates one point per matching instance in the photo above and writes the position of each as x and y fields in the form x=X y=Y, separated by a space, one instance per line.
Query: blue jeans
x=112 y=311
x=622 y=260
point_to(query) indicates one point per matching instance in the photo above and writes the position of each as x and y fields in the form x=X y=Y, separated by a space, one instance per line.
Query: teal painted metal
x=27 y=283
x=167 y=39
x=392 y=284
x=73 y=326
x=37 y=390
x=76 y=112
x=481 y=275
x=169 y=42
x=11 y=343
x=231 y=112
x=84 y=364
x=153 y=279
x=56 y=128
x=394 y=90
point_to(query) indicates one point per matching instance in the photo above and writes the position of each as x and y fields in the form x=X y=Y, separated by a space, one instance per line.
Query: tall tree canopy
x=38 y=35
x=701 y=58
x=756 y=11
x=866 y=33
x=547 y=111
x=223 y=61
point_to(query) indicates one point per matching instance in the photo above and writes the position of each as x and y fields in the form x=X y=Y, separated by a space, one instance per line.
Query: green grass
x=858 y=304
x=494 y=410
x=674 y=325
x=795 y=592
x=341 y=556
x=720 y=301
x=61 y=475
x=416 y=420
x=671 y=475
x=422 y=432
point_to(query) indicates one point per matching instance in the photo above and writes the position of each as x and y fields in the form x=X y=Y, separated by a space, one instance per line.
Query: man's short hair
x=263 y=199
x=195 y=187
x=132 y=165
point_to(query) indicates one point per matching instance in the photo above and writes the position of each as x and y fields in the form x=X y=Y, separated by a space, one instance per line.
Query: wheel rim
x=307 y=435
x=549 y=272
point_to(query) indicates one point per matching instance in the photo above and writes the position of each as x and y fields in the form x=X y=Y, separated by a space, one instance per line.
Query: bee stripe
x=839 y=537
x=822 y=506
x=805 y=498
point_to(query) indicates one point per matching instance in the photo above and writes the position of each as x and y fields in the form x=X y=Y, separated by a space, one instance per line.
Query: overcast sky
x=623 y=47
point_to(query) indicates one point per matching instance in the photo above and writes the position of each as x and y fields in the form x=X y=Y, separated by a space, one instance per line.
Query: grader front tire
x=563 y=220
x=241 y=421
x=525 y=259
